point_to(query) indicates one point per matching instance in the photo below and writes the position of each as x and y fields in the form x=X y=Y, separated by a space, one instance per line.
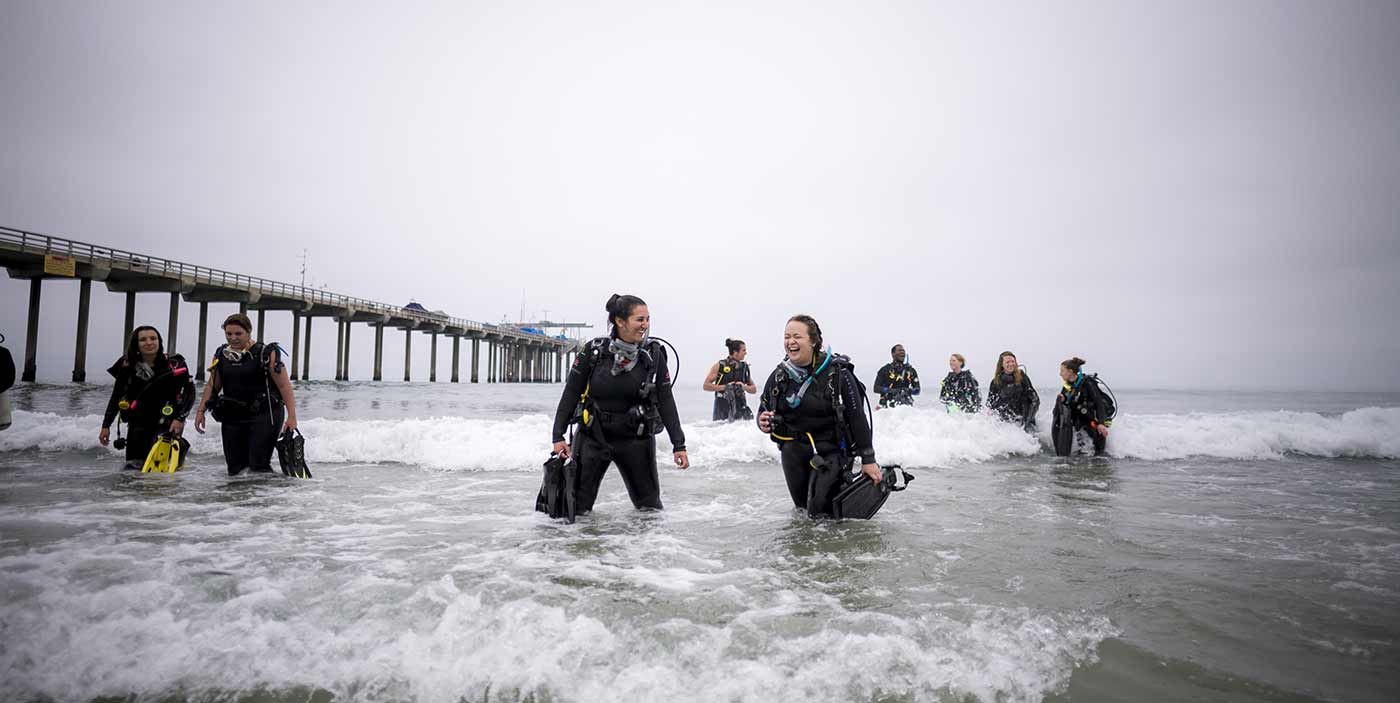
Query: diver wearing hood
x=813 y=407
x=729 y=379
x=153 y=394
x=619 y=393
x=959 y=388
x=896 y=382
x=1010 y=394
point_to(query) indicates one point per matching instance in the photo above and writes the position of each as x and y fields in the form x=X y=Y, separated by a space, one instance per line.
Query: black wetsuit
x=813 y=422
x=248 y=407
x=960 y=389
x=1012 y=401
x=731 y=371
x=896 y=383
x=1081 y=404
x=170 y=384
x=617 y=411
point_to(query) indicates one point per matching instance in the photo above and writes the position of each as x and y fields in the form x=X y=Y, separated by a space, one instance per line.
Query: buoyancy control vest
x=633 y=406
x=245 y=383
x=819 y=411
x=164 y=397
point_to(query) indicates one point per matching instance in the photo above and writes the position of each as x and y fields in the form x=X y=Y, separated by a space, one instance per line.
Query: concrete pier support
x=345 y=367
x=80 y=345
x=340 y=350
x=407 y=354
x=31 y=338
x=172 y=333
x=476 y=354
x=456 y=358
x=296 y=343
x=242 y=308
x=558 y=367
x=262 y=325
x=306 y=351
x=432 y=358
x=203 y=335
x=490 y=361
x=129 y=323
x=379 y=352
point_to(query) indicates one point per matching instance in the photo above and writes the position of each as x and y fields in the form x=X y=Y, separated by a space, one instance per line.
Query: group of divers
x=617 y=397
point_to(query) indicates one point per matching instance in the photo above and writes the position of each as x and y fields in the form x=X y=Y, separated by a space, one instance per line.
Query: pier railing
x=120 y=259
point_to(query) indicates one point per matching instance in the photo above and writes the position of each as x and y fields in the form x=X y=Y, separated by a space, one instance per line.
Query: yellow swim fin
x=164 y=457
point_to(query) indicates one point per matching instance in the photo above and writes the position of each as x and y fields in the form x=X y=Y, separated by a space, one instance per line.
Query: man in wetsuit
x=896 y=382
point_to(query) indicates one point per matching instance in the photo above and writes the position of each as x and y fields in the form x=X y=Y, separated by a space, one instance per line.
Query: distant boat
x=413 y=306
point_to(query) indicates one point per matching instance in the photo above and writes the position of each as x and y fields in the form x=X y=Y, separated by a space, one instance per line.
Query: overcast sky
x=1187 y=194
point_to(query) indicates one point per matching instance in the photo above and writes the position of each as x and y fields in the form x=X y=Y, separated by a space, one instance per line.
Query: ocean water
x=1234 y=547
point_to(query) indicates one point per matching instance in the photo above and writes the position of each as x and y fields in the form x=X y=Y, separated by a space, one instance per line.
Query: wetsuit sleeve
x=573 y=390
x=853 y=402
x=993 y=395
x=945 y=393
x=913 y=381
x=976 y=393
x=763 y=405
x=881 y=385
x=118 y=389
x=666 y=403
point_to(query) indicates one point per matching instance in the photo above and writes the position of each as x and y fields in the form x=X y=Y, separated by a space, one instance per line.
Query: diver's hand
x=104 y=436
x=765 y=421
x=289 y=424
x=177 y=427
x=199 y=421
x=561 y=450
x=1103 y=429
x=873 y=471
x=682 y=459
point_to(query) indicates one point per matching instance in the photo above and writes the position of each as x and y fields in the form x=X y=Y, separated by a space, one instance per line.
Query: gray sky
x=1187 y=194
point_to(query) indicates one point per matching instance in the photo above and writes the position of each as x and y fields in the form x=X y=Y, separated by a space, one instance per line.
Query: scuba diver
x=619 y=391
x=1084 y=409
x=731 y=380
x=250 y=395
x=897 y=382
x=153 y=394
x=812 y=408
x=959 y=388
x=1010 y=394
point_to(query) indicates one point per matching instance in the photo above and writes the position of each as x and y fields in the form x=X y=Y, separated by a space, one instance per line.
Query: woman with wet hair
x=812 y=407
x=1010 y=394
x=729 y=379
x=153 y=394
x=619 y=393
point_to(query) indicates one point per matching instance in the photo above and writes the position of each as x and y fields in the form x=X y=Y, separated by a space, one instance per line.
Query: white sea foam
x=910 y=436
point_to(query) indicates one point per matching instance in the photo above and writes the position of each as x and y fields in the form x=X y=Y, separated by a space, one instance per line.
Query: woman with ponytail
x=730 y=379
x=1081 y=412
x=619 y=394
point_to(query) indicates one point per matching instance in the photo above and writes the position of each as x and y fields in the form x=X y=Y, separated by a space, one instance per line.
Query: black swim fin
x=863 y=497
x=558 y=490
x=291 y=454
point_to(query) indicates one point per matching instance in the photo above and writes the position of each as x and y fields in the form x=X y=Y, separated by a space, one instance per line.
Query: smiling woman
x=619 y=395
x=813 y=407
